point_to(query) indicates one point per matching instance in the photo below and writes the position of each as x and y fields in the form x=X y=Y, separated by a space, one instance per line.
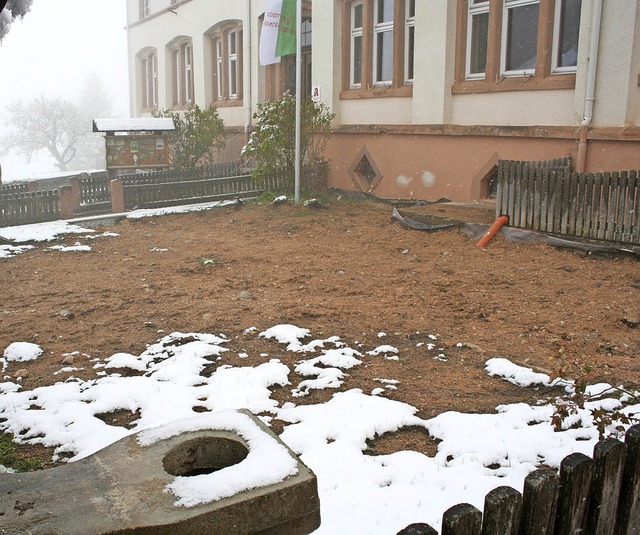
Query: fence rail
x=551 y=198
x=145 y=192
x=94 y=188
x=23 y=208
x=599 y=496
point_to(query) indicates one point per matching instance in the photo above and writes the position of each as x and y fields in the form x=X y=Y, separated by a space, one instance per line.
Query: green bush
x=198 y=135
x=272 y=141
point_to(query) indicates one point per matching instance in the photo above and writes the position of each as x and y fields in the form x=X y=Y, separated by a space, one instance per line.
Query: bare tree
x=53 y=124
x=12 y=10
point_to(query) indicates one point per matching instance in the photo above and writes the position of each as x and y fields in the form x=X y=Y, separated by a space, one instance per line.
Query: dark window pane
x=385 y=11
x=357 y=16
x=412 y=8
x=569 y=33
x=479 y=35
x=357 y=60
x=384 y=64
x=233 y=89
x=522 y=38
x=412 y=34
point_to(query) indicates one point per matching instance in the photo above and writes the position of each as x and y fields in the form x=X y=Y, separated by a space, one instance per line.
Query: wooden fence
x=145 y=192
x=549 y=197
x=24 y=207
x=599 y=496
x=94 y=188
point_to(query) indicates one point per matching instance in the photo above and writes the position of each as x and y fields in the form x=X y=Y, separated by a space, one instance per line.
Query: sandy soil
x=347 y=270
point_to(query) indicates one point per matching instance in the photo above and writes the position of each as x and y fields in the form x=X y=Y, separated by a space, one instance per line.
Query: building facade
x=428 y=94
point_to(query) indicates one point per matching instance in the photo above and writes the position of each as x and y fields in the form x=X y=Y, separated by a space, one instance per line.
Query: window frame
x=555 y=68
x=183 y=90
x=355 y=33
x=144 y=9
x=369 y=87
x=409 y=57
x=495 y=77
x=149 y=80
x=222 y=60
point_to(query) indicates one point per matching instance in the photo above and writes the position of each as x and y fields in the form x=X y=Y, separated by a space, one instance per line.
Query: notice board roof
x=134 y=124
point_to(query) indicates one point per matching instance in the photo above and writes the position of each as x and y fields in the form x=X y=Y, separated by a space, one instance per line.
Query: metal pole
x=298 y=96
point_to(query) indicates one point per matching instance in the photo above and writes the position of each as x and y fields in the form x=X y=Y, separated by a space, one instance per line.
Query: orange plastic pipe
x=493 y=230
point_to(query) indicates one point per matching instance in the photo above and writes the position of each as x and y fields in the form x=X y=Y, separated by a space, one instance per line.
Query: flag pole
x=298 y=96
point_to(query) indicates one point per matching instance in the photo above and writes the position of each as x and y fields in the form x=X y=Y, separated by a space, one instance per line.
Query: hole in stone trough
x=203 y=455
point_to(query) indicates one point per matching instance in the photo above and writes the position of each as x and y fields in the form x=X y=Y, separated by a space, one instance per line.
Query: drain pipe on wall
x=247 y=40
x=590 y=93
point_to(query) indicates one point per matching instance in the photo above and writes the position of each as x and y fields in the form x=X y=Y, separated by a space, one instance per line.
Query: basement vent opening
x=364 y=172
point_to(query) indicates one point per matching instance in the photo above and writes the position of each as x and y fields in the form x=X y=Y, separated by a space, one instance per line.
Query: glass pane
x=357 y=60
x=412 y=34
x=233 y=88
x=357 y=16
x=385 y=11
x=522 y=37
x=479 y=35
x=384 y=64
x=569 y=33
x=411 y=8
x=232 y=42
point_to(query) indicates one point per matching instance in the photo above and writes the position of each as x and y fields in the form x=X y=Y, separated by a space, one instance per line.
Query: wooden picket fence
x=94 y=188
x=24 y=207
x=599 y=496
x=549 y=197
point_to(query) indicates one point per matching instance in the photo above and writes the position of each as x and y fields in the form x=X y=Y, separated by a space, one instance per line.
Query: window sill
x=520 y=83
x=377 y=92
x=227 y=103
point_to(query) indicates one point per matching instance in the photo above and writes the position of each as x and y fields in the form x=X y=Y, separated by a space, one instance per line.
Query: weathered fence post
x=418 y=529
x=609 y=455
x=539 y=503
x=67 y=206
x=502 y=508
x=629 y=507
x=117 y=196
x=462 y=519
x=75 y=192
x=576 y=472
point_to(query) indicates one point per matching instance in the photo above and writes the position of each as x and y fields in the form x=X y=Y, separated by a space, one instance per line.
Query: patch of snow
x=22 y=352
x=522 y=376
x=383 y=350
x=69 y=248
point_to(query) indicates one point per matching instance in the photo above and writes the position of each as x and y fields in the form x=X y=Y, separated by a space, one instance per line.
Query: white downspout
x=590 y=92
x=247 y=68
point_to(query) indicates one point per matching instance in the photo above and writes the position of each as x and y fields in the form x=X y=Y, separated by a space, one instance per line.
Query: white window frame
x=150 y=80
x=555 y=68
x=219 y=73
x=480 y=8
x=188 y=73
x=355 y=33
x=380 y=28
x=144 y=9
x=410 y=23
x=507 y=6
x=178 y=76
x=232 y=63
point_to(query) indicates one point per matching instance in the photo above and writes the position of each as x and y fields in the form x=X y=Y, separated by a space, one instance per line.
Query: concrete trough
x=122 y=489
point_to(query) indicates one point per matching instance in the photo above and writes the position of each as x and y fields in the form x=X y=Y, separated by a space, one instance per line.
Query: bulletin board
x=137 y=151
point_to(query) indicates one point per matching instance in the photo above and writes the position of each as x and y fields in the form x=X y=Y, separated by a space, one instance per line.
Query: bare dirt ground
x=347 y=270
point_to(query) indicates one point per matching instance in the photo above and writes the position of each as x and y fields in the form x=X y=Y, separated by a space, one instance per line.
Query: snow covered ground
x=359 y=493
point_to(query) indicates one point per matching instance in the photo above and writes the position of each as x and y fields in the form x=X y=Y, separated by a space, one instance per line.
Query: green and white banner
x=278 y=36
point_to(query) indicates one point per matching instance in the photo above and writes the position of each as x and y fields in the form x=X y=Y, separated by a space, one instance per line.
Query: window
x=506 y=45
x=383 y=42
x=565 y=35
x=143 y=6
x=356 y=44
x=410 y=34
x=226 y=68
x=380 y=39
x=182 y=73
x=149 y=80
